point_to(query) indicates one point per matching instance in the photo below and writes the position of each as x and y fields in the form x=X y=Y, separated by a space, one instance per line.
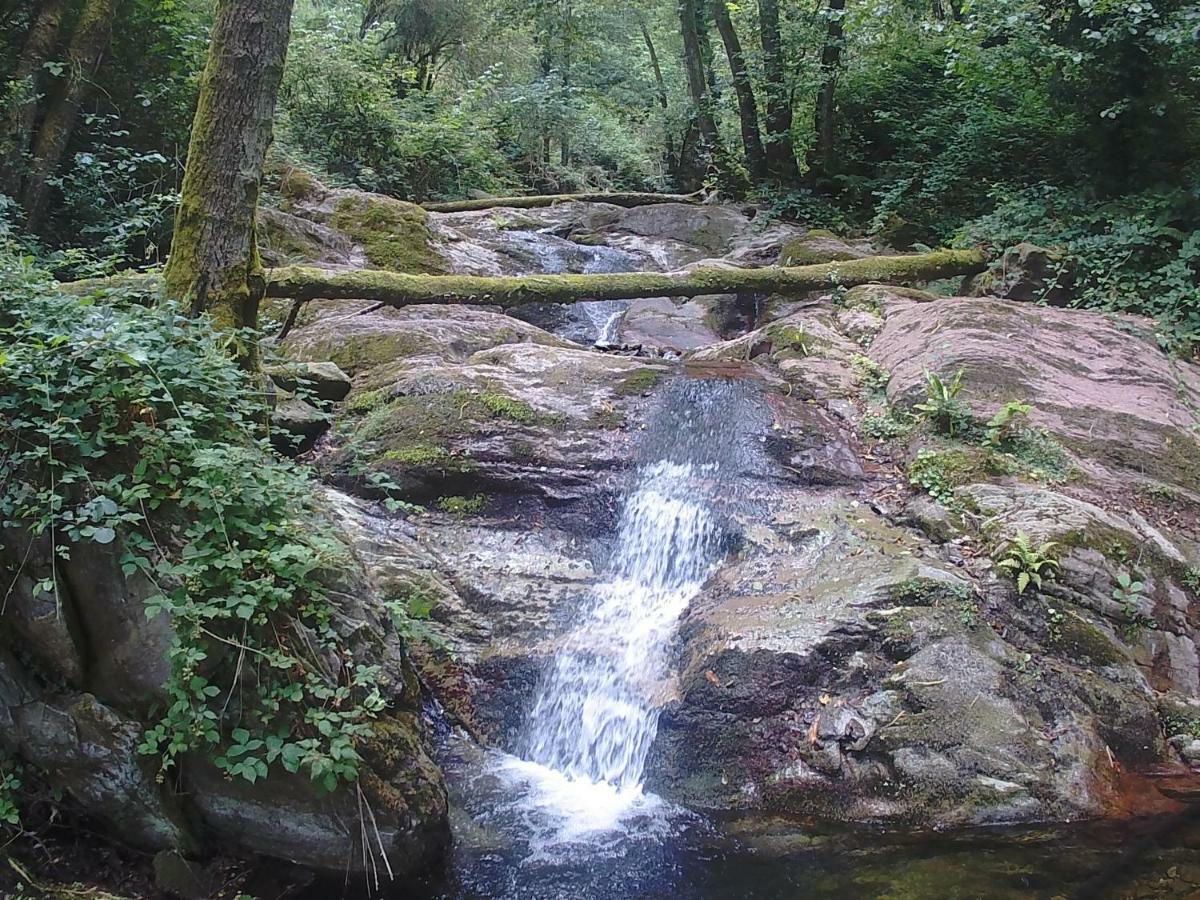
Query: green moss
x=640 y=381
x=462 y=506
x=1079 y=639
x=417 y=431
x=790 y=337
x=394 y=235
x=928 y=592
x=365 y=401
x=419 y=455
x=869 y=296
x=814 y=247
x=507 y=407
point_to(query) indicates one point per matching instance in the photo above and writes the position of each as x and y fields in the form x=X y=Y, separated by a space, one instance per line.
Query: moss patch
x=416 y=432
x=394 y=235
x=1079 y=639
x=462 y=506
x=640 y=381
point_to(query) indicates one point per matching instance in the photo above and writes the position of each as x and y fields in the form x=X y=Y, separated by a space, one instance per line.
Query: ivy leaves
x=130 y=428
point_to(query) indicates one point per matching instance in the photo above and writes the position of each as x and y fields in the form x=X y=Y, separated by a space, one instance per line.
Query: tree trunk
x=671 y=159
x=214 y=264
x=756 y=159
x=40 y=43
x=301 y=283
x=781 y=155
x=628 y=199
x=89 y=41
x=831 y=59
x=698 y=87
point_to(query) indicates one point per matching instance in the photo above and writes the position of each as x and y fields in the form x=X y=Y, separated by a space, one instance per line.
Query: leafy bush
x=130 y=426
x=340 y=112
x=1138 y=253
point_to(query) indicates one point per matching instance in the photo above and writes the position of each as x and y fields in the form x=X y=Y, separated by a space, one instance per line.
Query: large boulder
x=1098 y=383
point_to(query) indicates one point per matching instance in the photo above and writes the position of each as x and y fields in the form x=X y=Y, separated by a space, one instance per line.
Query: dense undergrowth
x=129 y=426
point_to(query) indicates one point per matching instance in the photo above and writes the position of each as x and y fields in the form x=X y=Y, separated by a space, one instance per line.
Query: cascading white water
x=597 y=712
x=578 y=780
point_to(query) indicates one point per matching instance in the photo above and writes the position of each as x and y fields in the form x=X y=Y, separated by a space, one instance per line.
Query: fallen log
x=304 y=283
x=534 y=201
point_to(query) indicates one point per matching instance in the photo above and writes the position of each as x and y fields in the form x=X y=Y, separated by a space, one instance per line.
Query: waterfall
x=581 y=765
x=596 y=715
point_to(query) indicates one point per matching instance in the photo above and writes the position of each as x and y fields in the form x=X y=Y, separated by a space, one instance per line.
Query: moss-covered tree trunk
x=756 y=159
x=301 y=283
x=214 y=264
x=40 y=43
x=89 y=42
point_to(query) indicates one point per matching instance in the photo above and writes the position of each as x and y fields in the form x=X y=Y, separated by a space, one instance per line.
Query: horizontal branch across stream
x=394 y=289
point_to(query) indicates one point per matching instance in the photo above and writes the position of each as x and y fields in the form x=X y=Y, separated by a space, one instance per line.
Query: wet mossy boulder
x=394 y=235
x=821 y=246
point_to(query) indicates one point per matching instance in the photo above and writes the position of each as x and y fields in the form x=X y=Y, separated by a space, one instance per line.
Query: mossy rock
x=871 y=296
x=1080 y=640
x=640 y=381
x=416 y=432
x=817 y=246
x=394 y=235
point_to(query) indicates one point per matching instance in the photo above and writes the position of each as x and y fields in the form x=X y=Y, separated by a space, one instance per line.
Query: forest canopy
x=917 y=122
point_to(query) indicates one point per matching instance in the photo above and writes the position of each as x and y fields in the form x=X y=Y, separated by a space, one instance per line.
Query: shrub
x=131 y=426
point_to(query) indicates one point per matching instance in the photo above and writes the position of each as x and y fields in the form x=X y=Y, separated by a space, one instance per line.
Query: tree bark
x=756 y=159
x=532 y=202
x=40 y=43
x=831 y=59
x=214 y=264
x=698 y=85
x=301 y=283
x=89 y=41
x=781 y=155
x=661 y=85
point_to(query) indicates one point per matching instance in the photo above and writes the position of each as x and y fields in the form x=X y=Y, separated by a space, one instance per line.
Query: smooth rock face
x=1099 y=383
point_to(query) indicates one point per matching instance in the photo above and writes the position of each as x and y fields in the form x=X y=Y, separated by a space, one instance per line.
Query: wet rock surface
x=859 y=656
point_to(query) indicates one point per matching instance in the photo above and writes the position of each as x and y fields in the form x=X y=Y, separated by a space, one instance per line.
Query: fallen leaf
x=825 y=698
x=812 y=730
x=712 y=677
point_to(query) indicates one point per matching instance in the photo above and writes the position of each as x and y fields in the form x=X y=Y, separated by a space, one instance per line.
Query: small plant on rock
x=942 y=407
x=1029 y=565
x=873 y=376
x=1002 y=426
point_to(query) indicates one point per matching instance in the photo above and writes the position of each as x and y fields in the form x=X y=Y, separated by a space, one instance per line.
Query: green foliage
x=339 y=111
x=131 y=427
x=10 y=788
x=411 y=615
x=1028 y=565
x=872 y=375
x=885 y=427
x=941 y=406
x=1135 y=253
x=937 y=474
x=1002 y=427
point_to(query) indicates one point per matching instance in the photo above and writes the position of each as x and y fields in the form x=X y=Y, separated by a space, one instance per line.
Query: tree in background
x=756 y=157
x=214 y=264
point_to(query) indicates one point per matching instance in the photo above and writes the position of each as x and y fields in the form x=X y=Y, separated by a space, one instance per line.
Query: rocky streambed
x=860 y=656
